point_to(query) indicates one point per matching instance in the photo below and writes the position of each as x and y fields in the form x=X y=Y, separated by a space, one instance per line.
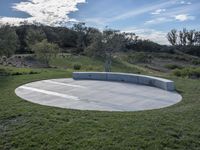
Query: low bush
x=189 y=72
x=139 y=58
x=3 y=72
x=196 y=62
x=9 y=71
x=173 y=66
x=77 y=67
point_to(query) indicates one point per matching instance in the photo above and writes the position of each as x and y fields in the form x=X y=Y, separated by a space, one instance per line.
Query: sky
x=150 y=19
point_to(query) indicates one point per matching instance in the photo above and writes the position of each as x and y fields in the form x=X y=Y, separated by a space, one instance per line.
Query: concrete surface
x=96 y=95
x=126 y=77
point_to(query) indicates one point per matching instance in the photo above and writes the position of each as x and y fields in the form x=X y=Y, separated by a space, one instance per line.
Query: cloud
x=158 y=11
x=185 y=3
x=181 y=13
x=158 y=21
x=47 y=12
x=149 y=34
x=140 y=11
x=184 y=17
x=99 y=21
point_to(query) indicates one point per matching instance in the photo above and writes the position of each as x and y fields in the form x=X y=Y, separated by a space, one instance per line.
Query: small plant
x=177 y=72
x=33 y=72
x=77 y=67
x=17 y=73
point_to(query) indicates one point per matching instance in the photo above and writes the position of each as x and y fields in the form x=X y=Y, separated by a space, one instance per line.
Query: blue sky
x=150 y=19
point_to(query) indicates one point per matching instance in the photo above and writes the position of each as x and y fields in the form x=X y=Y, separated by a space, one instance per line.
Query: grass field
x=26 y=126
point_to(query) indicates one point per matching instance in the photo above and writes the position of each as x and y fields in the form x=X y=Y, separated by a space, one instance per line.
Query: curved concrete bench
x=126 y=77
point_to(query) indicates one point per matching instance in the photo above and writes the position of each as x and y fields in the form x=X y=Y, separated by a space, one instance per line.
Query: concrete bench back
x=126 y=77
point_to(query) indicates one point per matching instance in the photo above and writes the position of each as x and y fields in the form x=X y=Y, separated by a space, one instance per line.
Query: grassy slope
x=24 y=125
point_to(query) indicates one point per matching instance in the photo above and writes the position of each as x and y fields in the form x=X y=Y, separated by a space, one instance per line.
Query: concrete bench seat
x=126 y=77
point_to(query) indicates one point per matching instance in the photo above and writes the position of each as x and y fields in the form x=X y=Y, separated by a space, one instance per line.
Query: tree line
x=77 y=39
x=80 y=39
x=187 y=41
x=184 y=37
x=45 y=41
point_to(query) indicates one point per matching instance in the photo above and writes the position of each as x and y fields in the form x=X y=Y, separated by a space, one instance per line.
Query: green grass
x=91 y=64
x=85 y=62
x=27 y=126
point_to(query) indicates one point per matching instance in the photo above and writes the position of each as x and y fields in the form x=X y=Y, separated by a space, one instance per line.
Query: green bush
x=77 y=67
x=196 y=62
x=139 y=58
x=33 y=72
x=177 y=72
x=16 y=73
x=10 y=71
x=3 y=72
x=173 y=66
x=188 y=72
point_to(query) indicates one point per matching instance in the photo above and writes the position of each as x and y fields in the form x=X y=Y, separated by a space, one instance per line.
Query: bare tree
x=197 y=38
x=191 y=37
x=184 y=42
x=172 y=37
x=183 y=37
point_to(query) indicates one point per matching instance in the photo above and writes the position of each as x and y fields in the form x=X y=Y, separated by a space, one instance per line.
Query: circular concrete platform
x=96 y=95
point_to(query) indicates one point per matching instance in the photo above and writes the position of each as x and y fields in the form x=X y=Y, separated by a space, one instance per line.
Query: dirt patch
x=22 y=61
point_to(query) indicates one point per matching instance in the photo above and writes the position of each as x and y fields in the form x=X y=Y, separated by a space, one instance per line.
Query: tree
x=131 y=38
x=34 y=36
x=172 y=37
x=45 y=51
x=81 y=31
x=183 y=37
x=112 y=41
x=95 y=45
x=197 y=38
x=191 y=37
x=8 y=41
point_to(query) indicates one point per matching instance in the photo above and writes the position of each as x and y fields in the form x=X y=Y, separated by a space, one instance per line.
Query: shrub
x=139 y=58
x=33 y=72
x=77 y=67
x=188 y=72
x=173 y=66
x=177 y=72
x=196 y=62
x=17 y=73
x=3 y=72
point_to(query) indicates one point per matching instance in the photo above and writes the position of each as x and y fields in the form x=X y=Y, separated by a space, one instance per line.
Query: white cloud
x=158 y=21
x=141 y=10
x=185 y=3
x=184 y=17
x=47 y=12
x=158 y=11
x=150 y=34
x=129 y=14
